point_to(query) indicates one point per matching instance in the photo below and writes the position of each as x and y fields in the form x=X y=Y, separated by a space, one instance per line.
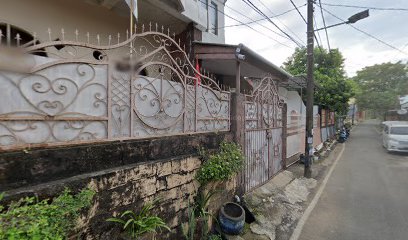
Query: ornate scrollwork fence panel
x=140 y=87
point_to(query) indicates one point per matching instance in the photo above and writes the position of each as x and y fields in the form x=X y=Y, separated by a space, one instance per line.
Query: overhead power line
x=365 y=7
x=265 y=27
x=318 y=38
x=297 y=9
x=324 y=24
x=263 y=34
x=263 y=19
x=265 y=6
x=366 y=33
x=304 y=20
x=254 y=7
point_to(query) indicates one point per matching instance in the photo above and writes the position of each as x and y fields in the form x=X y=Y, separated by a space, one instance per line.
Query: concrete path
x=366 y=197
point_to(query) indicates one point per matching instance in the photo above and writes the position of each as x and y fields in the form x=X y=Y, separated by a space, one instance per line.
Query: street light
x=310 y=81
x=353 y=19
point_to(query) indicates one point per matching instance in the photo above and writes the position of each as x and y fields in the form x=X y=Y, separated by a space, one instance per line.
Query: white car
x=395 y=136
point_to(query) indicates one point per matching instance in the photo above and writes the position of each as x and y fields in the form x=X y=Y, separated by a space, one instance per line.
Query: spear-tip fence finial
x=49 y=34
x=18 y=39
x=62 y=34
x=76 y=34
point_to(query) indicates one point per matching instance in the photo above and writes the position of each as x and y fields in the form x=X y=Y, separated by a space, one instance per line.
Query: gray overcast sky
x=358 y=49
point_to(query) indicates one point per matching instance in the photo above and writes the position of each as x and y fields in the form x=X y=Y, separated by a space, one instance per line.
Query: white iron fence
x=142 y=86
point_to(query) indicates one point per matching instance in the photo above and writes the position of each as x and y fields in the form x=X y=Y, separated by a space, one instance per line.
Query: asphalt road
x=366 y=197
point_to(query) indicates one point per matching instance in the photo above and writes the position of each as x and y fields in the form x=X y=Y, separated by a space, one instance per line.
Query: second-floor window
x=203 y=3
x=213 y=18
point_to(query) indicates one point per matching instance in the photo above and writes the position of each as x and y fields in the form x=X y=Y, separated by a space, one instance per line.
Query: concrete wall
x=193 y=11
x=296 y=119
x=124 y=174
x=198 y=14
x=39 y=15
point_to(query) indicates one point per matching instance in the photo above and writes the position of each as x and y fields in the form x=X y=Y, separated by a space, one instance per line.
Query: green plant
x=189 y=228
x=29 y=218
x=143 y=222
x=222 y=165
x=202 y=201
x=201 y=211
x=199 y=217
x=214 y=237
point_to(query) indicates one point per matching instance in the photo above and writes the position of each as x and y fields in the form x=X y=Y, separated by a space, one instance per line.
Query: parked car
x=395 y=136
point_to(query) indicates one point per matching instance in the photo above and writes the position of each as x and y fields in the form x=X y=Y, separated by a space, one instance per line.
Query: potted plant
x=216 y=169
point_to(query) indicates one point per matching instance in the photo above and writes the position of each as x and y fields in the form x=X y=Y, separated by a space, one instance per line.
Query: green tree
x=381 y=85
x=334 y=89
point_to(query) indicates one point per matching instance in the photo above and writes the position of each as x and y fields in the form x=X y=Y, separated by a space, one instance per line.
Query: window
x=213 y=18
x=399 y=131
x=203 y=3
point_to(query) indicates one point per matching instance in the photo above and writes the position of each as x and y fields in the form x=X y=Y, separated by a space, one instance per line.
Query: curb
x=299 y=227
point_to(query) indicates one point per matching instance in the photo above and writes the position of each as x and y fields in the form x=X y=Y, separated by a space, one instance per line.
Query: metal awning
x=222 y=59
x=296 y=82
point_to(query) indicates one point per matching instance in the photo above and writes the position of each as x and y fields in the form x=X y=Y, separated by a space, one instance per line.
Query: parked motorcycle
x=348 y=132
x=343 y=135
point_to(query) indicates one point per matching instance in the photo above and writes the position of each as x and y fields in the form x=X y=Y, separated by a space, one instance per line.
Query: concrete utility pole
x=309 y=91
x=310 y=81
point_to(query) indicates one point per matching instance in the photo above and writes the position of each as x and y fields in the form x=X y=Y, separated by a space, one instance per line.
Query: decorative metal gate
x=263 y=133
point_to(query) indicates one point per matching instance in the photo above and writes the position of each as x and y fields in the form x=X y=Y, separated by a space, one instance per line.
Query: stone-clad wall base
x=172 y=182
x=126 y=186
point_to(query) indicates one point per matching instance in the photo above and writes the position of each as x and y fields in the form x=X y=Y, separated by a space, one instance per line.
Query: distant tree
x=380 y=85
x=334 y=89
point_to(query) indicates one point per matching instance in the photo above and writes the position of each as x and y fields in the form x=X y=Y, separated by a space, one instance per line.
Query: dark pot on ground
x=232 y=218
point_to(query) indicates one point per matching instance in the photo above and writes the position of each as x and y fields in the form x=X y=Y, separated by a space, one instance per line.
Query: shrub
x=29 y=218
x=222 y=165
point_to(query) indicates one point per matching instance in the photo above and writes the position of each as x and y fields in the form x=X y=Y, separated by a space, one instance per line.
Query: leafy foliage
x=141 y=223
x=380 y=85
x=42 y=220
x=334 y=89
x=222 y=165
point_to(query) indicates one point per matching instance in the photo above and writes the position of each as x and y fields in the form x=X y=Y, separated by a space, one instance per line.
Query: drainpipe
x=238 y=115
x=238 y=77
